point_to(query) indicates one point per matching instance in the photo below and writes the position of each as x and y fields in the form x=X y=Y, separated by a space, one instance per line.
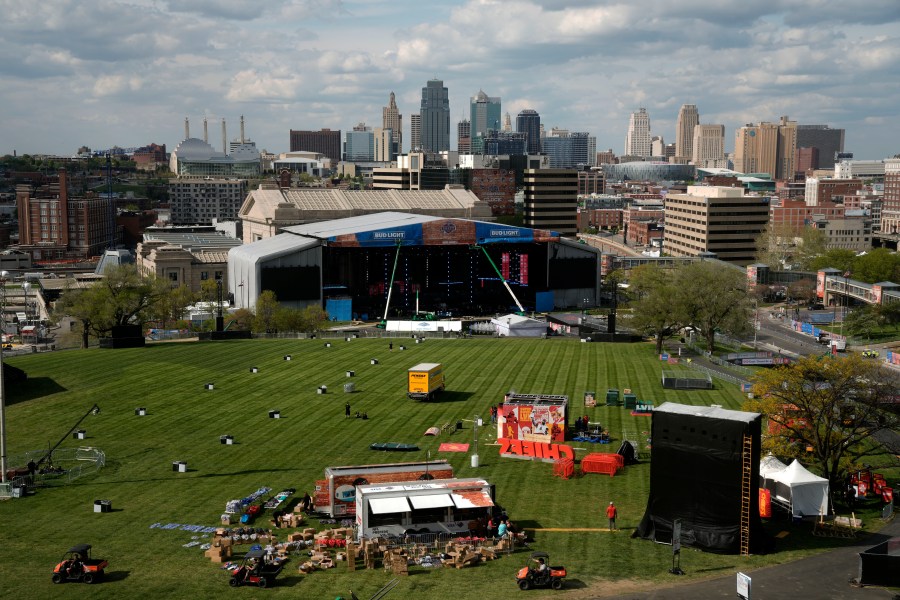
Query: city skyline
x=111 y=73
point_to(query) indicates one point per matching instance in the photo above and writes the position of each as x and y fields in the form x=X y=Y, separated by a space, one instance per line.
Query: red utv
x=531 y=576
x=77 y=565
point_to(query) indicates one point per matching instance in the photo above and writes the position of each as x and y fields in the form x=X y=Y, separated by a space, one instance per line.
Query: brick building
x=497 y=187
x=603 y=219
x=325 y=142
x=54 y=226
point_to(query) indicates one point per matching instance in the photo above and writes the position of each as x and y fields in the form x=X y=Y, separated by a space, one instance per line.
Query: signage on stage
x=541 y=450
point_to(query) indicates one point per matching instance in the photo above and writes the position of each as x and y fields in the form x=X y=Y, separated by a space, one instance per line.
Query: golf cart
x=255 y=570
x=530 y=576
x=77 y=565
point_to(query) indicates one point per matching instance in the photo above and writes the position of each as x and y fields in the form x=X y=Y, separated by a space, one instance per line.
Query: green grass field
x=184 y=422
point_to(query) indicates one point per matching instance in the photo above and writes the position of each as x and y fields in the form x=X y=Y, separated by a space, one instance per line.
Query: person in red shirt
x=611 y=514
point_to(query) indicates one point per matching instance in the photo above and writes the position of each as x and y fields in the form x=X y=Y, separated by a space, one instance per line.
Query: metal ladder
x=746 y=490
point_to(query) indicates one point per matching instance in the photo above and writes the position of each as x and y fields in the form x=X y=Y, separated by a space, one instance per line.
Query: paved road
x=822 y=577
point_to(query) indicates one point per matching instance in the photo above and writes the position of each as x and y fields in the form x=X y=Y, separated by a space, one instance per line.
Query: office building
x=504 y=142
x=385 y=144
x=806 y=160
x=657 y=146
x=200 y=200
x=324 y=141
x=393 y=120
x=484 y=116
x=829 y=142
x=464 y=137
x=551 y=200
x=359 y=144
x=637 y=140
x=890 y=207
x=720 y=220
x=528 y=122
x=766 y=148
x=708 y=146
x=688 y=119
x=567 y=150
x=53 y=225
x=415 y=132
x=507 y=123
x=435 y=113
x=827 y=191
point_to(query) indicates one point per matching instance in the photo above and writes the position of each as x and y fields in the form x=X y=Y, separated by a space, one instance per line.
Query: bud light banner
x=487 y=233
x=443 y=232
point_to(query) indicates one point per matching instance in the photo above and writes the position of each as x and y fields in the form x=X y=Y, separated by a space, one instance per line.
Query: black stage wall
x=695 y=476
x=450 y=280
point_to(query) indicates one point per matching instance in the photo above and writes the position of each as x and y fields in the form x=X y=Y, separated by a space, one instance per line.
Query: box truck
x=425 y=380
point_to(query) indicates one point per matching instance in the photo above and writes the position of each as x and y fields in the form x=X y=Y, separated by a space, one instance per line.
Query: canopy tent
x=767 y=466
x=518 y=326
x=802 y=492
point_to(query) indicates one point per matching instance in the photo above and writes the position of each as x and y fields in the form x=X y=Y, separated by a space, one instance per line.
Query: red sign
x=535 y=449
x=504 y=265
x=523 y=269
x=765 y=503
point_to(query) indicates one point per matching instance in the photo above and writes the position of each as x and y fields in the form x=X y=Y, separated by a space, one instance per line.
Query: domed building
x=194 y=157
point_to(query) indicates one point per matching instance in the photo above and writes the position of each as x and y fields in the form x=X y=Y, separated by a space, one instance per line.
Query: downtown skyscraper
x=529 y=122
x=484 y=117
x=393 y=120
x=637 y=140
x=435 y=115
x=688 y=119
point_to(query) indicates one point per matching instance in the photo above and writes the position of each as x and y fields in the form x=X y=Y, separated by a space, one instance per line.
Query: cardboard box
x=295 y=537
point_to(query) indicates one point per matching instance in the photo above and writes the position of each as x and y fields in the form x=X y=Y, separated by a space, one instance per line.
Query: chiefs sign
x=540 y=450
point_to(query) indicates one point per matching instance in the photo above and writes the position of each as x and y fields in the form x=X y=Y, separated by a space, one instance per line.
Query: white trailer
x=438 y=506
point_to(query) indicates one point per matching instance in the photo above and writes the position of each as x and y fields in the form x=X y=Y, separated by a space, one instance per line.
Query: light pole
x=3 y=276
x=755 y=323
x=25 y=287
x=241 y=287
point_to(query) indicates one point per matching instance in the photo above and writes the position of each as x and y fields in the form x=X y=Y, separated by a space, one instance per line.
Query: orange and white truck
x=425 y=380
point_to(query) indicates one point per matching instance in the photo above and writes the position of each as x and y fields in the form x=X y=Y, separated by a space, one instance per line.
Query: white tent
x=518 y=326
x=805 y=493
x=767 y=466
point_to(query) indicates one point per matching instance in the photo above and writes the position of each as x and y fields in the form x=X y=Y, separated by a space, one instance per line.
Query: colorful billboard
x=443 y=232
x=533 y=418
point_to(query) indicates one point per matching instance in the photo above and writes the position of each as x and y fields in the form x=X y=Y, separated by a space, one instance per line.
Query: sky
x=127 y=72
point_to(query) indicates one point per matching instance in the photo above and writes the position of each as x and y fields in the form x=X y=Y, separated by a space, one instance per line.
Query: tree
x=827 y=407
x=654 y=312
x=122 y=297
x=777 y=245
x=266 y=310
x=880 y=264
x=862 y=321
x=803 y=290
x=713 y=297
x=312 y=318
x=813 y=242
x=171 y=305
x=838 y=258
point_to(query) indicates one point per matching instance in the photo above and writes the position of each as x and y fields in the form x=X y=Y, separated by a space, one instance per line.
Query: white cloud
x=583 y=64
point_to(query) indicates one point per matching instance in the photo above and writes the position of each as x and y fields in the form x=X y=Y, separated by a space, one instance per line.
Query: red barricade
x=564 y=468
x=599 y=462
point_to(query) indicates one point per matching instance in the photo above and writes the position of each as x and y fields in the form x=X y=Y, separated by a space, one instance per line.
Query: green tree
x=288 y=319
x=812 y=245
x=267 y=308
x=880 y=264
x=837 y=258
x=777 y=245
x=862 y=322
x=312 y=318
x=714 y=298
x=832 y=406
x=171 y=305
x=655 y=312
x=122 y=297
